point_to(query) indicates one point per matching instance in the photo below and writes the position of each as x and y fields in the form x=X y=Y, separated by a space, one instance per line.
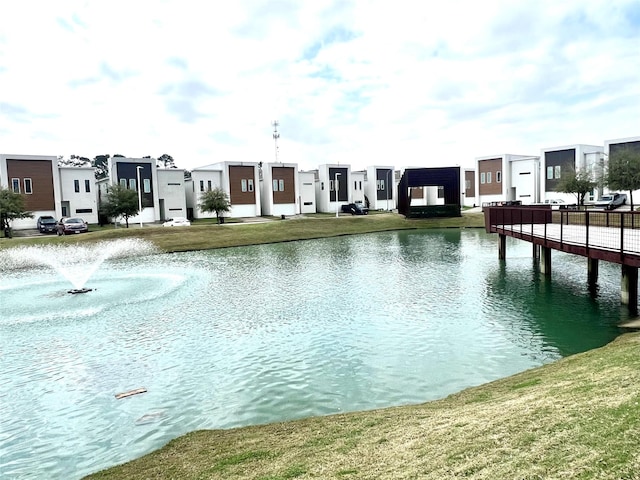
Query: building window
x=132 y=184
x=467 y=184
x=482 y=177
x=209 y=185
x=360 y=183
x=281 y=183
x=146 y=185
x=87 y=186
x=355 y=184
x=15 y=185
x=321 y=185
x=27 y=186
x=123 y=182
x=498 y=176
x=549 y=173
x=250 y=184
x=243 y=185
x=556 y=172
x=275 y=185
x=76 y=186
x=331 y=185
x=488 y=177
x=202 y=185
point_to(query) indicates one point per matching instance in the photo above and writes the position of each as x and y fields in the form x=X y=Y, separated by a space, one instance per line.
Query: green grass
x=207 y=234
x=542 y=423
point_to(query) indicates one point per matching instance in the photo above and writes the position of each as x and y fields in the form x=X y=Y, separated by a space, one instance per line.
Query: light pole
x=138 y=168
x=335 y=184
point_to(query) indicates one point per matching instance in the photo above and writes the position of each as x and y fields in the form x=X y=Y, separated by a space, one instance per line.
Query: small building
x=279 y=189
x=508 y=178
x=358 y=187
x=379 y=187
x=128 y=172
x=79 y=196
x=37 y=178
x=172 y=200
x=332 y=187
x=238 y=179
x=307 y=189
x=557 y=161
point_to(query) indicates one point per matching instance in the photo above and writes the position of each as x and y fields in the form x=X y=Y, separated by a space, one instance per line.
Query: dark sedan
x=47 y=224
x=68 y=225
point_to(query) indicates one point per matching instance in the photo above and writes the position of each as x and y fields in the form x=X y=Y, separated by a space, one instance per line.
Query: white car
x=177 y=222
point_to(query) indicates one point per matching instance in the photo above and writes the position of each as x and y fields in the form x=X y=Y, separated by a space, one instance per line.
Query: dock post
x=629 y=288
x=536 y=252
x=592 y=270
x=545 y=263
x=502 y=247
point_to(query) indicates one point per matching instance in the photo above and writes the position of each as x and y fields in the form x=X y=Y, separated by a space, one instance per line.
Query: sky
x=367 y=82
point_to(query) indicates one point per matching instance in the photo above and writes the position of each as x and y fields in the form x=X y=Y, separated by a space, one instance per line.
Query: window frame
x=87 y=186
x=76 y=186
x=28 y=186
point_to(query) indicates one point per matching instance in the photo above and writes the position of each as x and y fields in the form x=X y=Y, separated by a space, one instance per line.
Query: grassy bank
x=207 y=235
x=578 y=418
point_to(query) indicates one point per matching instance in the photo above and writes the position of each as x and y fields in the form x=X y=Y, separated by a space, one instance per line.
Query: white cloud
x=366 y=82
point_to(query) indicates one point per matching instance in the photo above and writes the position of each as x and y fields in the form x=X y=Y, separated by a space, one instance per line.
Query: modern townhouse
x=332 y=187
x=161 y=192
x=240 y=180
x=279 y=189
x=50 y=189
x=307 y=189
x=380 y=187
x=557 y=161
x=507 y=178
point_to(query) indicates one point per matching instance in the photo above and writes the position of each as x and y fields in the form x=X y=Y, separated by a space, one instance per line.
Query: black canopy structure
x=446 y=177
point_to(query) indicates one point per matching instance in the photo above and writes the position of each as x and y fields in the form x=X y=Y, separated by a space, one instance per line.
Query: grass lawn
x=578 y=418
x=207 y=234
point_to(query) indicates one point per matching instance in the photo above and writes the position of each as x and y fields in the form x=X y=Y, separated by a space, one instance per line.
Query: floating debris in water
x=130 y=393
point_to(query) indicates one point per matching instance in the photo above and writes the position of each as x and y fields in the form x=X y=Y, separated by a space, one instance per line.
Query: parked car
x=177 y=222
x=68 y=225
x=355 y=209
x=47 y=224
x=611 y=201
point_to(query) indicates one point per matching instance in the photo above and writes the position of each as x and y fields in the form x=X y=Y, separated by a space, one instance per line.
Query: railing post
x=621 y=235
x=586 y=224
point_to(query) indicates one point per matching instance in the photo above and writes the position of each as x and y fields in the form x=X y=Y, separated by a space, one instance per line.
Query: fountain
x=75 y=263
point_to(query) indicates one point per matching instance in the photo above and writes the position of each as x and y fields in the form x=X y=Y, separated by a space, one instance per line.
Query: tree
x=74 y=161
x=101 y=165
x=578 y=183
x=623 y=171
x=11 y=207
x=166 y=161
x=215 y=200
x=120 y=202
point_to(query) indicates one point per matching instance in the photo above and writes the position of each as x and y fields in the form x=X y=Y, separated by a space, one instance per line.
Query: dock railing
x=617 y=231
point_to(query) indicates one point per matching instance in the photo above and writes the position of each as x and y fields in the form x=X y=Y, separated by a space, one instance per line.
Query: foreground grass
x=206 y=235
x=578 y=418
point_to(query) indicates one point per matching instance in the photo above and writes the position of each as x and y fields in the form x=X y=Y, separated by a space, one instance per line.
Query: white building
x=238 y=179
x=557 y=161
x=79 y=197
x=129 y=172
x=332 y=179
x=307 y=189
x=171 y=193
x=508 y=177
x=380 y=187
x=279 y=189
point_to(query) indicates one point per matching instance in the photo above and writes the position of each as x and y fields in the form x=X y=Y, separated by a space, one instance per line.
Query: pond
x=252 y=335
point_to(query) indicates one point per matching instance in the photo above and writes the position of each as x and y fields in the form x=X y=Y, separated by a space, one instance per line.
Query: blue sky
x=364 y=82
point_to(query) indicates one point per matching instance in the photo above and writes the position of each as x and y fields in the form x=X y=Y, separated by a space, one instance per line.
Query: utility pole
x=276 y=136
